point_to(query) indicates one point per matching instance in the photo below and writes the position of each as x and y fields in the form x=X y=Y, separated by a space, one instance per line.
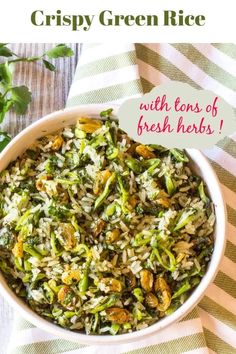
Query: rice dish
x=101 y=234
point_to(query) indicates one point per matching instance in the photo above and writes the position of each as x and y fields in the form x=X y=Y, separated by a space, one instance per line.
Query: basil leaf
x=60 y=51
x=21 y=97
x=49 y=65
x=4 y=140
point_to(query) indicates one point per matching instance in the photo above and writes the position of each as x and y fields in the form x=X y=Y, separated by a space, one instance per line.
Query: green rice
x=100 y=234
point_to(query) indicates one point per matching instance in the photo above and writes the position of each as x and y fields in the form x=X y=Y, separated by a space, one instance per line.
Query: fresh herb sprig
x=17 y=98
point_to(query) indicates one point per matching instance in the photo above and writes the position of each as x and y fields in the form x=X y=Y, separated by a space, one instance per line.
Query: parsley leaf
x=5 y=106
x=5 y=73
x=49 y=65
x=4 y=51
x=21 y=97
x=61 y=50
x=4 y=140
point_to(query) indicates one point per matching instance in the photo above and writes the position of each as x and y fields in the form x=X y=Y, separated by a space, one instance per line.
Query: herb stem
x=25 y=59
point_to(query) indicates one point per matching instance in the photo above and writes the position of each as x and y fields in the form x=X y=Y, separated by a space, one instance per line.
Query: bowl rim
x=181 y=312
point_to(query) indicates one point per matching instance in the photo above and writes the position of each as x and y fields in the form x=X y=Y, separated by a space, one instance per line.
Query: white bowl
x=60 y=119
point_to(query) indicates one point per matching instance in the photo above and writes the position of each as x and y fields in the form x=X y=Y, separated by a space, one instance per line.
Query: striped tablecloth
x=109 y=74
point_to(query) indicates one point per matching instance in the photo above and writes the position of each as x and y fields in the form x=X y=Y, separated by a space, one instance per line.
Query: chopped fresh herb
x=179 y=155
x=18 y=98
x=49 y=65
x=4 y=139
x=60 y=51
x=107 y=113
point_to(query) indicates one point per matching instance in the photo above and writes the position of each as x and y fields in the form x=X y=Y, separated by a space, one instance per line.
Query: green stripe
x=146 y=85
x=21 y=324
x=228 y=145
x=216 y=344
x=231 y=215
x=106 y=64
x=227 y=48
x=219 y=312
x=53 y=347
x=162 y=64
x=106 y=94
x=176 y=346
x=224 y=176
x=210 y=68
x=230 y=251
x=190 y=316
x=227 y=284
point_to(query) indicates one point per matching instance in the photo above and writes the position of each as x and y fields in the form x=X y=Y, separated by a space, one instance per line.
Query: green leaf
x=60 y=51
x=4 y=140
x=5 y=73
x=21 y=97
x=107 y=113
x=5 y=106
x=4 y=51
x=49 y=65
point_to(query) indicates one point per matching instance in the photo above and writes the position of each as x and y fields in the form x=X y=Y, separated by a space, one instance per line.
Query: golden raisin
x=111 y=285
x=118 y=315
x=68 y=236
x=131 y=280
x=146 y=280
x=18 y=249
x=151 y=300
x=70 y=276
x=164 y=202
x=133 y=201
x=66 y=297
x=131 y=150
x=113 y=235
x=145 y=151
x=161 y=285
x=40 y=183
x=100 y=180
x=57 y=143
x=88 y=125
x=163 y=289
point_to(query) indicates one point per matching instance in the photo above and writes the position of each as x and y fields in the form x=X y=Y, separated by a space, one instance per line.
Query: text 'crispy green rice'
x=101 y=234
